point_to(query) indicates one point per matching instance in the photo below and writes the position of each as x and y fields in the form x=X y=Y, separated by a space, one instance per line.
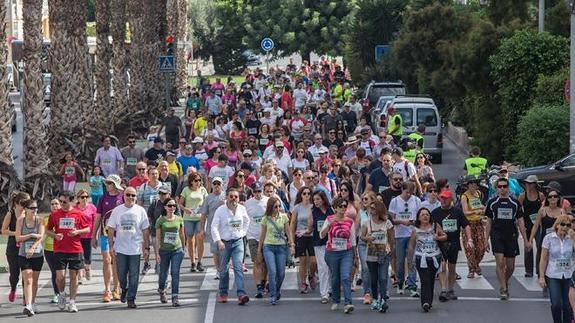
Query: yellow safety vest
x=410 y=155
x=391 y=124
x=475 y=165
x=417 y=137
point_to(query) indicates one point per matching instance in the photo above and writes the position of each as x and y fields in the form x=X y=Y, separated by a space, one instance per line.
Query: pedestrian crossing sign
x=167 y=64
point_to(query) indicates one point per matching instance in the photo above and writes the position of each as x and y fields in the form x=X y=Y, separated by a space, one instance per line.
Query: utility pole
x=572 y=80
x=541 y=16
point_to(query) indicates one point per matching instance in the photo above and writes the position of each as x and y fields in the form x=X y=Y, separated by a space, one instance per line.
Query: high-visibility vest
x=475 y=165
x=391 y=125
x=410 y=155
x=417 y=137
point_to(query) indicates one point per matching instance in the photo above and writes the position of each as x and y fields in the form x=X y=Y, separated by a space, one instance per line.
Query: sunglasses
x=163 y=193
x=141 y=169
x=170 y=205
x=63 y=202
x=502 y=186
x=197 y=180
x=130 y=195
x=432 y=191
x=552 y=196
x=217 y=183
x=247 y=155
x=34 y=208
x=83 y=196
x=343 y=206
x=397 y=179
x=344 y=190
x=565 y=224
x=305 y=193
x=131 y=142
x=234 y=197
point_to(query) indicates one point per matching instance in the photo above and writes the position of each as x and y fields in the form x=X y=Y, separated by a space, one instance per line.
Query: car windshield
x=377 y=91
x=427 y=116
x=382 y=102
x=569 y=161
x=406 y=116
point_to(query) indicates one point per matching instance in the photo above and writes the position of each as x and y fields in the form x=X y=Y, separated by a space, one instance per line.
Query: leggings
x=51 y=260
x=14 y=269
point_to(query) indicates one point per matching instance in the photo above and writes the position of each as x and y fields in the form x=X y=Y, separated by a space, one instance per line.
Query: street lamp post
x=541 y=16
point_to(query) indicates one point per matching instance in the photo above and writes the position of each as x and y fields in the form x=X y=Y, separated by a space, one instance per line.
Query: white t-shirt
x=400 y=167
x=128 y=223
x=403 y=210
x=283 y=163
x=224 y=172
x=430 y=206
x=256 y=210
x=303 y=165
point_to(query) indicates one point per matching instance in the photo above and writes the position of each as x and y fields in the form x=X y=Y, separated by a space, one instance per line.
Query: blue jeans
x=401 y=246
x=378 y=271
x=365 y=278
x=559 y=296
x=275 y=257
x=340 y=263
x=234 y=250
x=174 y=258
x=129 y=274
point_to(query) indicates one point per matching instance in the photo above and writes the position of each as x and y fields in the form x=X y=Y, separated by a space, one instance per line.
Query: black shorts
x=508 y=246
x=35 y=264
x=72 y=261
x=304 y=247
x=87 y=246
x=450 y=252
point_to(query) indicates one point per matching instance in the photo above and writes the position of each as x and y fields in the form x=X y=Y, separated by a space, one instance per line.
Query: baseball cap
x=217 y=179
x=165 y=189
x=198 y=140
x=170 y=153
x=257 y=187
x=159 y=140
x=323 y=150
x=446 y=194
x=267 y=110
x=247 y=152
x=279 y=143
x=397 y=151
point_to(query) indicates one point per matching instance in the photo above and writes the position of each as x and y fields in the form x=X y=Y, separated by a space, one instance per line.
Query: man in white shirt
x=316 y=147
x=229 y=226
x=281 y=158
x=256 y=207
x=128 y=228
x=276 y=112
x=221 y=170
x=300 y=97
x=403 y=166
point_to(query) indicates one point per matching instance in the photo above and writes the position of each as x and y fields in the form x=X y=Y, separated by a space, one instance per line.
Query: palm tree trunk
x=104 y=108
x=9 y=181
x=36 y=159
x=120 y=83
x=137 y=19
x=181 y=38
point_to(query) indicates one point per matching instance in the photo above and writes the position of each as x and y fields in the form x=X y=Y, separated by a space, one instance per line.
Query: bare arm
x=6 y=226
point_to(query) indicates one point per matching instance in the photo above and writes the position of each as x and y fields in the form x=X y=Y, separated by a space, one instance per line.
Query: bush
x=543 y=134
x=550 y=89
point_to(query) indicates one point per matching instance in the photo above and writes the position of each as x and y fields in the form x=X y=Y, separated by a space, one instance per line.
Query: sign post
x=267 y=45
x=381 y=51
x=167 y=66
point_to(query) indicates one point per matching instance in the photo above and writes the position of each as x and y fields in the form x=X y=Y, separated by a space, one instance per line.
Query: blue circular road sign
x=267 y=44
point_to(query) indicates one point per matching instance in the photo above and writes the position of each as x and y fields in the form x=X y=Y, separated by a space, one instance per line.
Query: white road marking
x=479 y=282
x=529 y=283
x=211 y=308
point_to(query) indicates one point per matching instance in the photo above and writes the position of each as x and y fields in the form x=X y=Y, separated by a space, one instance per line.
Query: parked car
x=561 y=171
x=415 y=110
x=375 y=112
x=375 y=90
x=252 y=59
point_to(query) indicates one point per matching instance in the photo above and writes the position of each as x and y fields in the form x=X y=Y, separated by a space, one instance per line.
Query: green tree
x=551 y=124
x=557 y=18
x=515 y=68
x=503 y=12
x=202 y=26
x=228 y=47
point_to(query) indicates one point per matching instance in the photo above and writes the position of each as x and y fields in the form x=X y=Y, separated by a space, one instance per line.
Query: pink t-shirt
x=89 y=216
x=341 y=234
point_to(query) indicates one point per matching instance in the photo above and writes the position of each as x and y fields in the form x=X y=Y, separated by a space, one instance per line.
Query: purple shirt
x=105 y=206
x=108 y=160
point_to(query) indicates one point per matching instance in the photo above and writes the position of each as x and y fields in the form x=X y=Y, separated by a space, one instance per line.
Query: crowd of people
x=284 y=166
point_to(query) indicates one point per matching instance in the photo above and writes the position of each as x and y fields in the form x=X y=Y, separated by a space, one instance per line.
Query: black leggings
x=427 y=276
x=51 y=260
x=14 y=268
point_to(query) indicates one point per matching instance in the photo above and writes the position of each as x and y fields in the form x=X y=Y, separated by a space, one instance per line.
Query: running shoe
x=54 y=300
x=62 y=301
x=374 y=305
x=457 y=277
x=222 y=298
x=163 y=298
x=242 y=300
x=28 y=310
x=503 y=294
x=443 y=296
x=413 y=292
x=451 y=295
x=303 y=289
x=175 y=301
x=72 y=308
x=107 y=297
x=199 y=267
x=116 y=295
x=383 y=306
x=471 y=275
x=146 y=268
x=12 y=296
x=324 y=300
x=35 y=308
x=426 y=307
x=334 y=307
x=347 y=309
x=193 y=268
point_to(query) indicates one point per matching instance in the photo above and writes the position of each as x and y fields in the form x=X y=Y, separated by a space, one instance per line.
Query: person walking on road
x=29 y=233
x=169 y=240
x=256 y=208
x=474 y=209
x=504 y=215
x=129 y=232
x=531 y=200
x=211 y=203
x=229 y=227
x=304 y=251
x=48 y=246
x=66 y=226
x=275 y=242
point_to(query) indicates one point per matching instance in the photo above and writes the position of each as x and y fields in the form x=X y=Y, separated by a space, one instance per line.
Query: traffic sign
x=380 y=51
x=267 y=44
x=167 y=64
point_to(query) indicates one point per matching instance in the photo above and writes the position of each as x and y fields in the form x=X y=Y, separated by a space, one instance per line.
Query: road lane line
x=154 y=302
x=529 y=283
x=479 y=282
x=211 y=308
x=399 y=299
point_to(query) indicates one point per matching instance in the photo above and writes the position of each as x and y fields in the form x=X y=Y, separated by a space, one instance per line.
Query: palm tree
x=36 y=161
x=9 y=181
x=102 y=75
x=120 y=84
x=137 y=19
x=177 y=17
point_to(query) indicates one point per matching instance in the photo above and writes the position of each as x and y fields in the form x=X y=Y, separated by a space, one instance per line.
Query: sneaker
x=175 y=301
x=35 y=308
x=426 y=307
x=146 y=268
x=471 y=275
x=217 y=276
x=528 y=275
x=122 y=296
x=28 y=310
x=193 y=268
x=399 y=290
x=313 y=282
x=443 y=296
x=503 y=294
x=303 y=289
x=72 y=308
x=374 y=305
x=347 y=309
x=457 y=277
x=222 y=298
x=273 y=301
x=242 y=300
x=324 y=300
x=478 y=271
x=451 y=295
x=12 y=296
x=117 y=296
x=260 y=292
x=200 y=268
x=54 y=300
x=383 y=306
x=413 y=292
x=334 y=307
x=367 y=299
x=163 y=299
x=62 y=301
x=107 y=297
x=132 y=304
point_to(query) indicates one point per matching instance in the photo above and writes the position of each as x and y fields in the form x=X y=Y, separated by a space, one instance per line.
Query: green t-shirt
x=193 y=200
x=273 y=236
x=170 y=238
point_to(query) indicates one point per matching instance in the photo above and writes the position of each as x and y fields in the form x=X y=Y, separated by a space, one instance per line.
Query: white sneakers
x=62 y=301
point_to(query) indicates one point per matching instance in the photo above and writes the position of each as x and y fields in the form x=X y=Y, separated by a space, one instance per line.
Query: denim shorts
x=192 y=227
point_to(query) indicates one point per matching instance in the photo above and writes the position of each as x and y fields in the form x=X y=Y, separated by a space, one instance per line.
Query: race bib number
x=258 y=219
x=128 y=227
x=404 y=215
x=67 y=223
x=533 y=217
x=170 y=238
x=264 y=141
x=235 y=225
x=378 y=237
x=107 y=162
x=449 y=225
x=29 y=244
x=252 y=131
x=563 y=264
x=131 y=161
x=505 y=214
x=429 y=246
x=319 y=225
x=475 y=203
x=69 y=171
x=339 y=244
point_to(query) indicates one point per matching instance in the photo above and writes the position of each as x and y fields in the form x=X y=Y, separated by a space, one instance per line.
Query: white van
x=416 y=110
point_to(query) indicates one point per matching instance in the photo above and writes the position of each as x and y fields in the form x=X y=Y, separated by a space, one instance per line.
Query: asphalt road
x=478 y=297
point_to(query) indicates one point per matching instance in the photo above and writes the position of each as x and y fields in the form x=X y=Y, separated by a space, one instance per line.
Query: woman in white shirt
x=557 y=255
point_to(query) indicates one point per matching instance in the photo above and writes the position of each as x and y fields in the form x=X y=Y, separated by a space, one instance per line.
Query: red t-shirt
x=63 y=222
x=136 y=181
